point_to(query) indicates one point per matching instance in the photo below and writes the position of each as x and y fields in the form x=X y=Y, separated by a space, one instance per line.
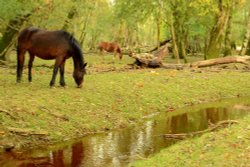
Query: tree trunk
x=10 y=34
x=70 y=16
x=245 y=43
x=179 y=19
x=217 y=33
x=158 y=25
x=85 y=23
x=183 y=51
x=83 y=33
x=228 y=36
x=175 y=48
x=248 y=48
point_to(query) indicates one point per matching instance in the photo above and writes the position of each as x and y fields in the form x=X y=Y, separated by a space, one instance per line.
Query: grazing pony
x=110 y=47
x=58 y=45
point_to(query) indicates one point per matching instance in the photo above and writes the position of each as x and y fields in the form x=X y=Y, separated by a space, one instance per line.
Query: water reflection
x=121 y=147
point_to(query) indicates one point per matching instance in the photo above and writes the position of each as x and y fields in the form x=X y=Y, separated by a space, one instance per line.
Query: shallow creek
x=120 y=147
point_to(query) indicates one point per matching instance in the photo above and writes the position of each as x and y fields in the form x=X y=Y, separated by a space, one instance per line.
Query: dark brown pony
x=110 y=47
x=58 y=45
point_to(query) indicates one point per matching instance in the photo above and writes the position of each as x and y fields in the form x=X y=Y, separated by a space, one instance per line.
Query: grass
x=226 y=147
x=108 y=100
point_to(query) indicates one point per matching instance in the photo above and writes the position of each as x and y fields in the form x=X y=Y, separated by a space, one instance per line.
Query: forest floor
x=113 y=96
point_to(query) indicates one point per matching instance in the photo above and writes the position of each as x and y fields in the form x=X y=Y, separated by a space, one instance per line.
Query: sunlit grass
x=107 y=100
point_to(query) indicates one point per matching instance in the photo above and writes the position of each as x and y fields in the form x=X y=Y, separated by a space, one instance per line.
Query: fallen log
x=191 y=134
x=26 y=132
x=150 y=60
x=55 y=114
x=175 y=66
x=222 y=60
x=161 y=44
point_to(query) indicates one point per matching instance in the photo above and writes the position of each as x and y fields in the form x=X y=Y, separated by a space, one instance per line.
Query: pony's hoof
x=62 y=84
x=65 y=86
x=79 y=86
x=52 y=87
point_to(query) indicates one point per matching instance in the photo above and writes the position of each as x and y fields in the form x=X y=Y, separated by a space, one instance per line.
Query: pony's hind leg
x=20 y=62
x=32 y=56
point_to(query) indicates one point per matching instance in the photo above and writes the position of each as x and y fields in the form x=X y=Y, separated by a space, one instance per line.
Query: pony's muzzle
x=79 y=86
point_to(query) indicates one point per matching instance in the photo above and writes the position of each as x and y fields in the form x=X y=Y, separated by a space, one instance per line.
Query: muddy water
x=118 y=148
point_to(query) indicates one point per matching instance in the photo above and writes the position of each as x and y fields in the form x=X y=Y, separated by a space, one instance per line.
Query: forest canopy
x=213 y=28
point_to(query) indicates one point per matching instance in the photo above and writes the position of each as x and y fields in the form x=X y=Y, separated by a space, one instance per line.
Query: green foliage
x=9 y=10
x=127 y=22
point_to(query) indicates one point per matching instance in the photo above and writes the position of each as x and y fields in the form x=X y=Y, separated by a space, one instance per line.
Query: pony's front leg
x=52 y=82
x=20 y=62
x=62 y=82
x=115 y=55
x=30 y=67
x=55 y=70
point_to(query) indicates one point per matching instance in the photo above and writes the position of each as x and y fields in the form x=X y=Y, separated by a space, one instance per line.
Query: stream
x=121 y=147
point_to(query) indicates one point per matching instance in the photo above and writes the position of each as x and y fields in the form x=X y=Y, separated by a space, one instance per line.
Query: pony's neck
x=78 y=62
x=77 y=54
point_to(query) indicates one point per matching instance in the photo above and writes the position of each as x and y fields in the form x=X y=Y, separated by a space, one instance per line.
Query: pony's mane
x=75 y=45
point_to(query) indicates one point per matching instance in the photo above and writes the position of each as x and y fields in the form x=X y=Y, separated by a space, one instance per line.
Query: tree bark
x=191 y=134
x=248 y=49
x=175 y=48
x=245 y=43
x=151 y=60
x=70 y=16
x=222 y=60
x=10 y=33
x=218 y=31
x=158 y=25
x=179 y=20
x=85 y=23
x=228 y=36
x=161 y=44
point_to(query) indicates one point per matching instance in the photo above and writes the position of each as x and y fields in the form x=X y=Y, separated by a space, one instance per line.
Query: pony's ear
x=84 y=65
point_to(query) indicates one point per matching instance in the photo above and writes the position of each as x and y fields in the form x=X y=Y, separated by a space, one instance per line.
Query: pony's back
x=26 y=34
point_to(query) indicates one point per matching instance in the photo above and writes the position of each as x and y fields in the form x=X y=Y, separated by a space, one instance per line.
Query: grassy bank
x=226 y=147
x=108 y=100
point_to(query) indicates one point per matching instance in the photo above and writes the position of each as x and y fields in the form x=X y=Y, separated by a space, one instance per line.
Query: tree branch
x=212 y=128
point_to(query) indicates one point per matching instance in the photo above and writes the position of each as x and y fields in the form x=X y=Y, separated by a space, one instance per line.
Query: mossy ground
x=113 y=96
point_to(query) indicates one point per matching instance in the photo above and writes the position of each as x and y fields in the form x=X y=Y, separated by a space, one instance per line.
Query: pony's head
x=79 y=75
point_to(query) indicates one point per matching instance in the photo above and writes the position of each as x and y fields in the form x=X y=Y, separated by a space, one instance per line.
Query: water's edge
x=120 y=147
